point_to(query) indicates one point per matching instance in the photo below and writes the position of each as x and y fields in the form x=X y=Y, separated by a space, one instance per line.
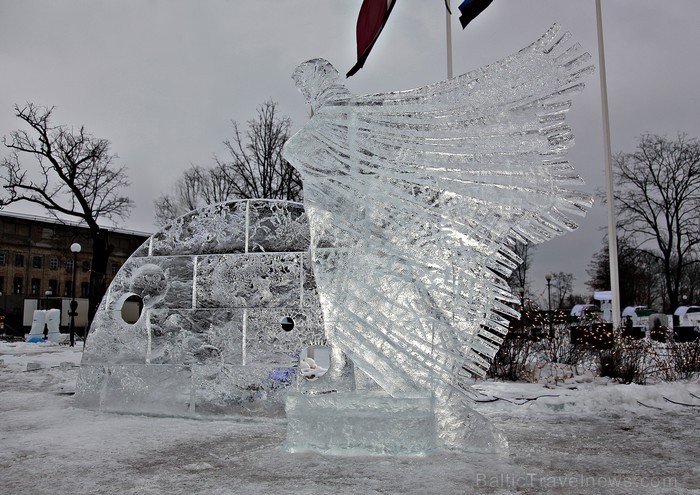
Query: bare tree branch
x=658 y=197
x=254 y=169
x=71 y=174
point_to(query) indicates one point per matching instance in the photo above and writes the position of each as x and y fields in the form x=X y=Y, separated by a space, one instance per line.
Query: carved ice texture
x=213 y=286
x=415 y=199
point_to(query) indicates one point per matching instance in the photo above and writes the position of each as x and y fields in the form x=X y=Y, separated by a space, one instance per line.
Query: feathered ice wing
x=415 y=196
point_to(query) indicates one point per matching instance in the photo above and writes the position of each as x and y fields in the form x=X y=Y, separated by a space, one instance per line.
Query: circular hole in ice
x=314 y=361
x=287 y=323
x=131 y=308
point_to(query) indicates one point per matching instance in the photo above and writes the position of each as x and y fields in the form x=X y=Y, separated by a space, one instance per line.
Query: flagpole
x=612 y=221
x=448 y=34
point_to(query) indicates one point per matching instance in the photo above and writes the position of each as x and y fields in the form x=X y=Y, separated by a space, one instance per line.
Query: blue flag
x=470 y=9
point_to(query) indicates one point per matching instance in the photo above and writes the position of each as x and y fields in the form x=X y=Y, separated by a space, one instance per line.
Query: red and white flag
x=370 y=22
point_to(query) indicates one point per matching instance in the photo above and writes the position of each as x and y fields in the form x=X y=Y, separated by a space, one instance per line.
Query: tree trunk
x=101 y=250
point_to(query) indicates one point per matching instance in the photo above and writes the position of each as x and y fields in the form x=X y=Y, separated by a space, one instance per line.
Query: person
x=46 y=331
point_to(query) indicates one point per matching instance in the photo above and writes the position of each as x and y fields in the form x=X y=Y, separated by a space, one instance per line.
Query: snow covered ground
x=577 y=438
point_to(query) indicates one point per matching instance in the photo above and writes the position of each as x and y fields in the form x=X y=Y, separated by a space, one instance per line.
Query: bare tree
x=254 y=169
x=72 y=175
x=257 y=169
x=197 y=187
x=574 y=299
x=518 y=279
x=658 y=199
x=690 y=289
x=639 y=274
x=562 y=285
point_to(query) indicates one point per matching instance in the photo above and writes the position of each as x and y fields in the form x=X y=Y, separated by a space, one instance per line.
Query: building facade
x=36 y=263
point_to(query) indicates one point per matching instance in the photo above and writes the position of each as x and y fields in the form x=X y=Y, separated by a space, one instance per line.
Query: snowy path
x=597 y=439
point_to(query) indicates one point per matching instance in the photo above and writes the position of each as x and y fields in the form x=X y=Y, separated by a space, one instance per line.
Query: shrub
x=633 y=361
x=559 y=347
x=685 y=358
x=510 y=363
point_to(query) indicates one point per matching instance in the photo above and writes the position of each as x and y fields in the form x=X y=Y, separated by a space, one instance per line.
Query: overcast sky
x=161 y=79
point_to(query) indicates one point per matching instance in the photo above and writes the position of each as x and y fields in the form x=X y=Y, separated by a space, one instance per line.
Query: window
x=17 y=285
x=36 y=262
x=86 y=266
x=53 y=287
x=115 y=268
x=54 y=264
x=3 y=259
x=67 y=289
x=84 y=289
x=2 y=284
x=35 y=286
x=19 y=260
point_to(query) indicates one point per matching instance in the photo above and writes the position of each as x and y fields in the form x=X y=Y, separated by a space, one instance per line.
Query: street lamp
x=75 y=249
x=2 y=317
x=548 y=278
x=47 y=294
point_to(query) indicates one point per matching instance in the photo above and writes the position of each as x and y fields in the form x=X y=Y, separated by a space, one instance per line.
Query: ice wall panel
x=91 y=382
x=250 y=280
x=267 y=341
x=143 y=389
x=196 y=336
x=277 y=227
x=212 y=229
x=114 y=341
x=251 y=390
x=161 y=281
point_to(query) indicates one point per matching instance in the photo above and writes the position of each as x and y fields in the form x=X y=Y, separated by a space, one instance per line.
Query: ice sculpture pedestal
x=360 y=423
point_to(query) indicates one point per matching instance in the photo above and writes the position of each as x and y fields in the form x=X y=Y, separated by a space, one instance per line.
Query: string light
x=588 y=344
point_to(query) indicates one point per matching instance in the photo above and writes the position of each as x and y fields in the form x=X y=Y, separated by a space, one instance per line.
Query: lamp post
x=2 y=316
x=75 y=249
x=548 y=278
x=47 y=294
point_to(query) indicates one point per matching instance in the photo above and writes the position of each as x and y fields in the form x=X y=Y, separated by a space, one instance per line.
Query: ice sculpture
x=415 y=199
x=45 y=323
x=226 y=304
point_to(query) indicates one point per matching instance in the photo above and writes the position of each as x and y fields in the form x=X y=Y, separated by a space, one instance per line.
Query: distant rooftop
x=71 y=223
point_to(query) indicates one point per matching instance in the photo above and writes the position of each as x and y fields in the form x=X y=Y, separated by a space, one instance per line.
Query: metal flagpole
x=448 y=33
x=612 y=220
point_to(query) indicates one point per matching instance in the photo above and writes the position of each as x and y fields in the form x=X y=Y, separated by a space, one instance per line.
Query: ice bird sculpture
x=415 y=199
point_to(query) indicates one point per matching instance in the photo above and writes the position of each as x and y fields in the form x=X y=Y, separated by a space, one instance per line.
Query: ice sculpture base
x=161 y=390
x=181 y=390
x=360 y=423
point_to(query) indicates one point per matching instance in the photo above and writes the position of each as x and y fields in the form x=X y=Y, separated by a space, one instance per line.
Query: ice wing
x=414 y=198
